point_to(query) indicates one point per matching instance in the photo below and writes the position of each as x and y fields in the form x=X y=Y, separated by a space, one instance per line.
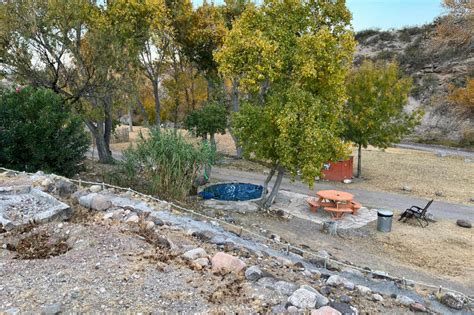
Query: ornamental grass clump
x=164 y=164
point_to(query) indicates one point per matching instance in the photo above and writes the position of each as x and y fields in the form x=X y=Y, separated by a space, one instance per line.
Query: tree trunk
x=235 y=108
x=105 y=156
x=142 y=110
x=265 y=185
x=156 y=96
x=359 y=161
x=108 y=123
x=130 y=119
x=267 y=203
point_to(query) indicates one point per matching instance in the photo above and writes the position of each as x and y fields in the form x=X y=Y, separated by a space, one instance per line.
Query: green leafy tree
x=374 y=113
x=291 y=59
x=38 y=132
x=209 y=120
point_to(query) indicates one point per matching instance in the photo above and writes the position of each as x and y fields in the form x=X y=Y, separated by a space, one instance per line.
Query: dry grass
x=385 y=170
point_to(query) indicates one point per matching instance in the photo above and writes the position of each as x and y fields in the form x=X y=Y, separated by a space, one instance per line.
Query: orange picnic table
x=334 y=201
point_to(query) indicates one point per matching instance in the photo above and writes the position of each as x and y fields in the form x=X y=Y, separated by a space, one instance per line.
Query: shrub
x=362 y=36
x=38 y=132
x=164 y=164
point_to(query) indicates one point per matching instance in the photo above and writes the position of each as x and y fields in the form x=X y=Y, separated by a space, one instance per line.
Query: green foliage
x=374 y=112
x=209 y=120
x=164 y=164
x=292 y=63
x=386 y=55
x=38 y=132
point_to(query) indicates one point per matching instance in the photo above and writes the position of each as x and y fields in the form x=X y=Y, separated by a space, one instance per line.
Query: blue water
x=232 y=192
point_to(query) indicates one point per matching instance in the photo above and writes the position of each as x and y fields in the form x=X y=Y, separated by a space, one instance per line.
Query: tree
x=72 y=48
x=39 y=132
x=463 y=98
x=457 y=26
x=209 y=120
x=291 y=59
x=374 y=113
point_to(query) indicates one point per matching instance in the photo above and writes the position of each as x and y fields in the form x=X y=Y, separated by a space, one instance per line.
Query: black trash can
x=384 y=220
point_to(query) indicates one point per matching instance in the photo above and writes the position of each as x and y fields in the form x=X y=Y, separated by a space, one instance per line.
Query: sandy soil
x=446 y=178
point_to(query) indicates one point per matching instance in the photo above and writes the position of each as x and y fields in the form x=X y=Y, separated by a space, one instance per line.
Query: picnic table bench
x=335 y=202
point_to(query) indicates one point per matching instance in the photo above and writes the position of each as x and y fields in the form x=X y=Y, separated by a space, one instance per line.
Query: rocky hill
x=433 y=70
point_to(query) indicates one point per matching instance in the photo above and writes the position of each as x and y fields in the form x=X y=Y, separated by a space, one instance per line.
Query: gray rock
x=343 y=308
x=377 y=297
x=203 y=235
x=292 y=309
x=441 y=154
x=453 y=300
x=253 y=273
x=275 y=237
x=464 y=223
x=345 y=298
x=471 y=199
x=303 y=298
x=217 y=240
x=51 y=309
x=335 y=281
x=278 y=309
x=194 y=254
x=65 y=188
x=133 y=218
x=285 y=288
x=439 y=194
x=404 y=300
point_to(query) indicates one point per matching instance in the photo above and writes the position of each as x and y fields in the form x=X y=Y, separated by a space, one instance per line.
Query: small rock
x=278 y=309
x=417 y=307
x=149 y=225
x=222 y=262
x=407 y=188
x=363 y=290
x=325 y=310
x=441 y=154
x=201 y=262
x=194 y=254
x=303 y=298
x=404 y=300
x=253 y=273
x=347 y=181
x=345 y=299
x=108 y=215
x=95 y=188
x=133 y=218
x=344 y=308
x=284 y=261
x=292 y=309
x=377 y=297
x=349 y=285
x=284 y=287
x=471 y=199
x=275 y=237
x=65 y=188
x=453 y=300
x=203 y=235
x=51 y=309
x=464 y=223
x=439 y=194
x=335 y=281
x=100 y=203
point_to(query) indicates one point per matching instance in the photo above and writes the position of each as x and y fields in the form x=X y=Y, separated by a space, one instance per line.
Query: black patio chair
x=418 y=213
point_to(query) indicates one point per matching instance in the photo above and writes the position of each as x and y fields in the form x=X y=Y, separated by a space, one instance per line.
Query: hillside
x=433 y=70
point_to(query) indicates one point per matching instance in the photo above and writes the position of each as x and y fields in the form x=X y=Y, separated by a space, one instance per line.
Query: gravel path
x=440 y=149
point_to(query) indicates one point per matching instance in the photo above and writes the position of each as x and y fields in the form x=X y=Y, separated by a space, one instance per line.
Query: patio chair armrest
x=415 y=208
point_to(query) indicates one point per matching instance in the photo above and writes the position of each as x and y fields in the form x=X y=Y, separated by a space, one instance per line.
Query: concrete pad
x=295 y=204
x=20 y=205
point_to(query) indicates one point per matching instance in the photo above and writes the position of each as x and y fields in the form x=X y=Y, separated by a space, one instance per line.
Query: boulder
x=453 y=300
x=222 y=262
x=253 y=273
x=325 y=310
x=303 y=298
x=464 y=223
x=194 y=254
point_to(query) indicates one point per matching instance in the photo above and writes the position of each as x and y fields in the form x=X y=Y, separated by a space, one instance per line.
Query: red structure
x=338 y=171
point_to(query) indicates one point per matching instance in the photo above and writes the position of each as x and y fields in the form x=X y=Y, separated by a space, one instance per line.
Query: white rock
x=303 y=298
x=347 y=181
x=363 y=290
x=335 y=281
x=133 y=218
x=377 y=297
x=150 y=225
x=108 y=215
x=95 y=188
x=201 y=262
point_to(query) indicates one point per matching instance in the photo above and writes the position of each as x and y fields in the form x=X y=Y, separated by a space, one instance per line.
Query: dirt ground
x=446 y=178
x=441 y=254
